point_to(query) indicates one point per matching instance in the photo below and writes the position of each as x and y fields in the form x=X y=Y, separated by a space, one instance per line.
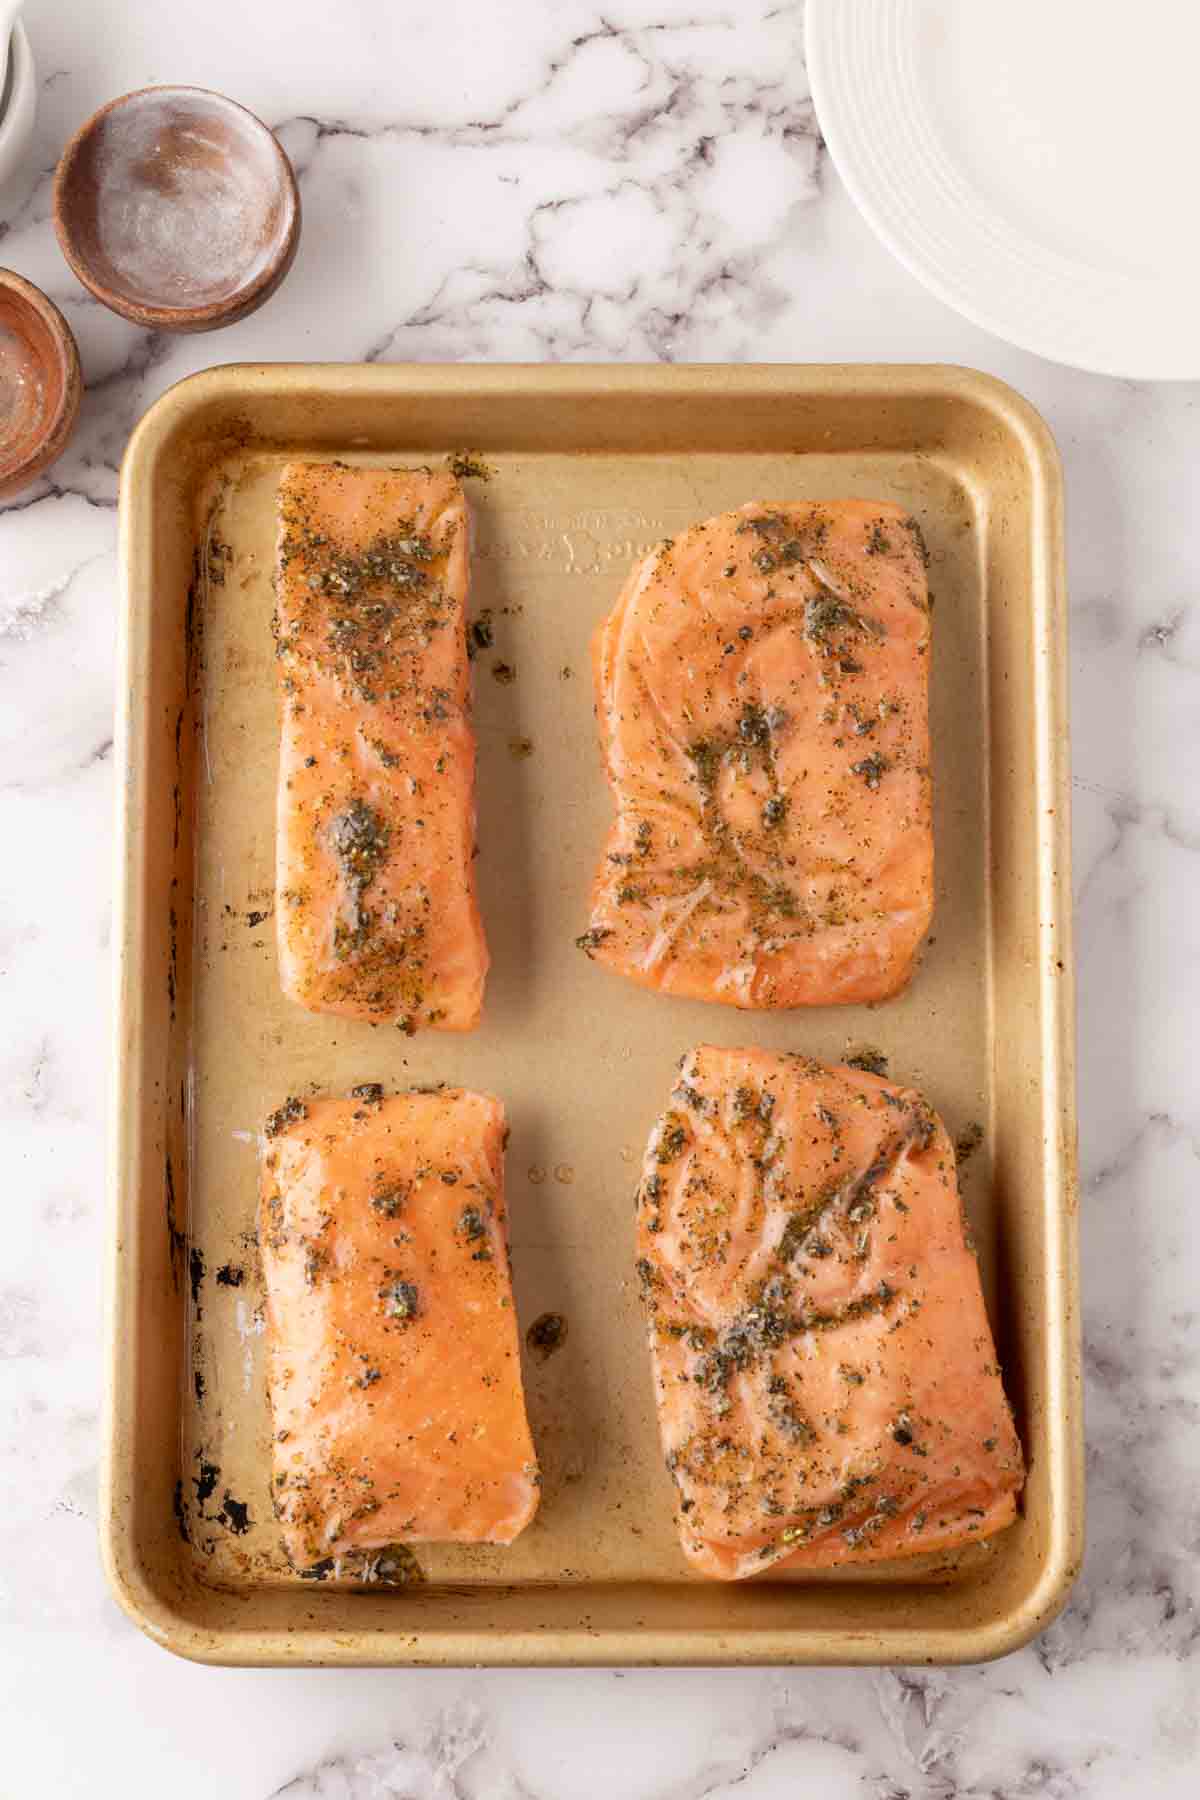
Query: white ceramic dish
x=18 y=101
x=1034 y=165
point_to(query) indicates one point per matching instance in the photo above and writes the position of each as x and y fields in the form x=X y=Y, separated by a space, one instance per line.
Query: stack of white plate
x=1033 y=162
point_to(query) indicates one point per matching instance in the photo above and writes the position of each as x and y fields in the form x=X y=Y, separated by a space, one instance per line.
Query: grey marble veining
x=644 y=180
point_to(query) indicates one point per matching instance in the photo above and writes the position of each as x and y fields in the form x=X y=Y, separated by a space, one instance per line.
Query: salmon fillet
x=376 y=914
x=826 y=1380
x=761 y=686
x=392 y=1355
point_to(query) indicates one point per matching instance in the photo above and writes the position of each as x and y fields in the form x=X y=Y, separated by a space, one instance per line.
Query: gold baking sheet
x=590 y=466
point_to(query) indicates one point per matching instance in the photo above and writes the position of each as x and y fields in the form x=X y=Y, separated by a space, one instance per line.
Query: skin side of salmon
x=376 y=911
x=825 y=1374
x=762 y=690
x=393 y=1361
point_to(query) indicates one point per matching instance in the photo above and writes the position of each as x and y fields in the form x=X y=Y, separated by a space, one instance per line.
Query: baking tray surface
x=587 y=469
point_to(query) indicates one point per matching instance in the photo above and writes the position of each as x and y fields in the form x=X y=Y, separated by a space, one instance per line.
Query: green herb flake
x=672 y=1139
x=394 y=1566
x=401 y=1300
x=825 y=614
x=472 y=1224
x=547 y=1334
x=466 y=465
x=591 y=940
x=289 y=1113
x=871 y=768
x=754 y=727
x=918 y=538
x=389 y=1202
x=359 y=838
x=707 y=757
x=967 y=1143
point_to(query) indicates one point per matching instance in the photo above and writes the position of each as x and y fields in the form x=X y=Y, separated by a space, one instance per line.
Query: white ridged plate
x=1034 y=162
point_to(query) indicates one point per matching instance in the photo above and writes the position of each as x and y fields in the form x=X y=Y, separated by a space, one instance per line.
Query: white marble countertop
x=502 y=179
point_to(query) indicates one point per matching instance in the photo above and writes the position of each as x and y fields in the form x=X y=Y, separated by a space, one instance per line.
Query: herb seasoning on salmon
x=826 y=1379
x=376 y=914
x=762 y=690
x=392 y=1350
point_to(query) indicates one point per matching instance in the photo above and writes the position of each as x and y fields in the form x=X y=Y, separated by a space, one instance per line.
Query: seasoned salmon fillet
x=826 y=1380
x=761 y=686
x=376 y=914
x=392 y=1355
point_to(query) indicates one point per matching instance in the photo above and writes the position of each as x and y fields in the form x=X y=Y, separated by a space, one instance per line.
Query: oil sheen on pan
x=825 y=1374
x=376 y=912
x=393 y=1354
x=762 y=688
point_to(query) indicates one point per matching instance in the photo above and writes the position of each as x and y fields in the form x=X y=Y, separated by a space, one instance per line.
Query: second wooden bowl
x=177 y=208
x=40 y=383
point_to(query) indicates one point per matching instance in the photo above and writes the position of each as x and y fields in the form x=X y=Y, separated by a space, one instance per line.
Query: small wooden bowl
x=177 y=208
x=40 y=383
